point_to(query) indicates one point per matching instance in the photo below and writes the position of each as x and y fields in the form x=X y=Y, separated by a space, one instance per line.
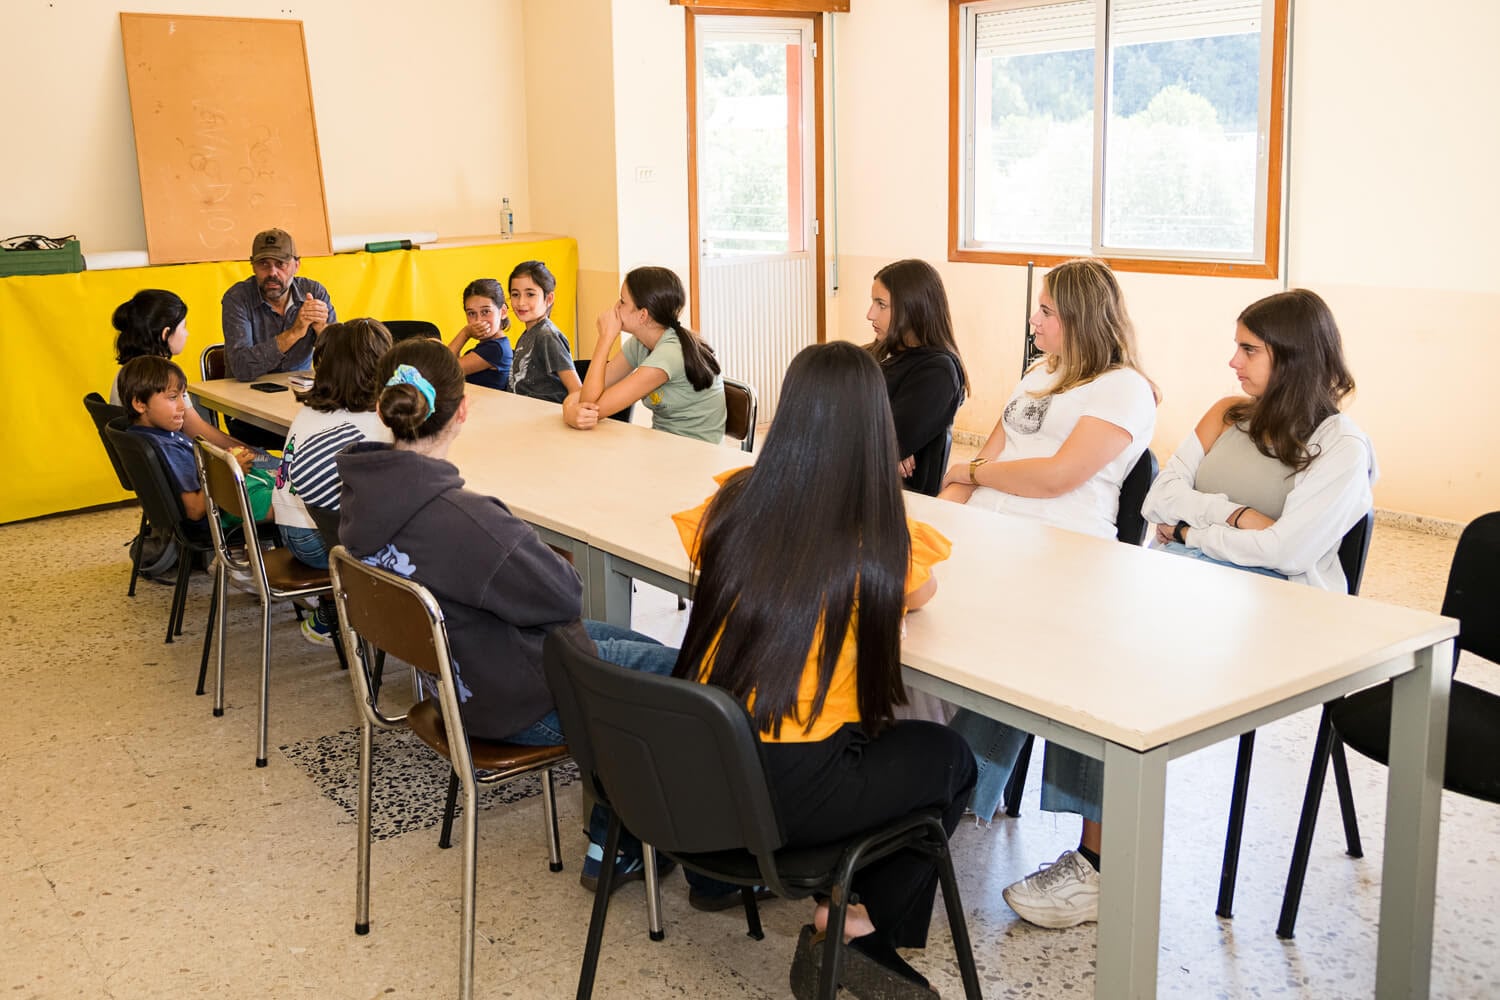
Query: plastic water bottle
x=507 y=220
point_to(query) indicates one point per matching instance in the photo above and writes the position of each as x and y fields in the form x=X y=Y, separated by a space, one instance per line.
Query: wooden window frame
x=1268 y=267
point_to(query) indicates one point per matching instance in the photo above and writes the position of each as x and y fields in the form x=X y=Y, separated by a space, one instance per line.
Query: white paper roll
x=111 y=260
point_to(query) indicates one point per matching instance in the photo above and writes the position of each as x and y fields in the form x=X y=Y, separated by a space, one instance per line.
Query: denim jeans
x=996 y=747
x=1187 y=551
x=306 y=544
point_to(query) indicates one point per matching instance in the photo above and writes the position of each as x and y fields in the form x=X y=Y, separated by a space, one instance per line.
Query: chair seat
x=505 y=759
x=1363 y=722
x=801 y=868
x=285 y=571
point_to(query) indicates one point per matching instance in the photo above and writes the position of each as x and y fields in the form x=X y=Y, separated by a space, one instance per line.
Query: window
x=1182 y=172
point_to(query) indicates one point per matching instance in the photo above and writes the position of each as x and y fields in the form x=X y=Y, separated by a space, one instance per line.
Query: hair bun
x=403 y=409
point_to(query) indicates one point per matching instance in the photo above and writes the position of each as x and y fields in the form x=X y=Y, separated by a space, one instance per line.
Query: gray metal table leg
x=1135 y=794
x=609 y=593
x=1419 y=735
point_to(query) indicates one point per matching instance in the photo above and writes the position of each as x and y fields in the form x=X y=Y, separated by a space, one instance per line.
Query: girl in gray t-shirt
x=542 y=366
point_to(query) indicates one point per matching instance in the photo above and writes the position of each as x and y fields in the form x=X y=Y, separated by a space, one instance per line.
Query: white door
x=756 y=221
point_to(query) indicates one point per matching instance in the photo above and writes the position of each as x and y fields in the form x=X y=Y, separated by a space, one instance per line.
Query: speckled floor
x=143 y=855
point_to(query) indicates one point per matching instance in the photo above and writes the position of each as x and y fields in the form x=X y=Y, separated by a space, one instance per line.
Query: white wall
x=1392 y=218
x=421 y=114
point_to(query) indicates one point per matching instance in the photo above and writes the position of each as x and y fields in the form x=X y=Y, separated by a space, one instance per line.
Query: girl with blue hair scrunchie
x=404 y=507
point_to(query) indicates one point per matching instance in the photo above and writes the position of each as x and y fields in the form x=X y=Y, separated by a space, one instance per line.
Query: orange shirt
x=928 y=547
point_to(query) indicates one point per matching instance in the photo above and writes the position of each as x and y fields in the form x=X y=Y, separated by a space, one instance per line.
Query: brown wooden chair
x=212 y=364
x=379 y=610
x=271 y=574
x=741 y=406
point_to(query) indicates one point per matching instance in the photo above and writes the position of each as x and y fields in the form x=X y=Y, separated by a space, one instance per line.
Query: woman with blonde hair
x=1076 y=424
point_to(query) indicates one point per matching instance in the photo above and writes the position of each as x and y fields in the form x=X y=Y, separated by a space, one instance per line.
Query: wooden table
x=1120 y=653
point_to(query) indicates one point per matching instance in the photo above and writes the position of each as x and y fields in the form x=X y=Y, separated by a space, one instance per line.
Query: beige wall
x=572 y=143
x=1393 y=211
x=421 y=115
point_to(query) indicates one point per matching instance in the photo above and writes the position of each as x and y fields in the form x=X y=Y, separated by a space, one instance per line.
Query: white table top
x=1128 y=644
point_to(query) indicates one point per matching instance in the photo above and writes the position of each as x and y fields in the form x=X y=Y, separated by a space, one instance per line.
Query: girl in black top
x=924 y=375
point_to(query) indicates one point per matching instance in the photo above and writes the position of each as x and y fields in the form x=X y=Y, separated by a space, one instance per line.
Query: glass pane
x=1034 y=126
x=749 y=202
x=1181 y=149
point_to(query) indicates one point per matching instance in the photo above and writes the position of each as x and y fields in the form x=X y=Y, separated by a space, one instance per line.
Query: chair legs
x=208 y=634
x=1352 y=844
x=179 y=598
x=221 y=587
x=265 y=682
x=1016 y=786
x=1229 y=872
x=549 y=814
x=957 y=925
x=362 y=848
x=471 y=869
x=655 y=928
x=450 y=806
x=600 y=911
x=1292 y=897
x=136 y=548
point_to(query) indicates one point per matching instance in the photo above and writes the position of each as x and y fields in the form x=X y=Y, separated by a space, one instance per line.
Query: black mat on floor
x=408 y=783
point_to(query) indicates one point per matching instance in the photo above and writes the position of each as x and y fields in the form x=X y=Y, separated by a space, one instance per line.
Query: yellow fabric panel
x=57 y=344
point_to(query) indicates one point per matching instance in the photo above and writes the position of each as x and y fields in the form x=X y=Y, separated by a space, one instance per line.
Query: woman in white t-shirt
x=1075 y=425
x=339 y=410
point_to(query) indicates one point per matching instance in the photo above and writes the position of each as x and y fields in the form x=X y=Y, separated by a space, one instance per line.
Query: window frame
x=1272 y=196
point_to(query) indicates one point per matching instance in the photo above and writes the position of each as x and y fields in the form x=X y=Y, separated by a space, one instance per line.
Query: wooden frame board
x=225 y=138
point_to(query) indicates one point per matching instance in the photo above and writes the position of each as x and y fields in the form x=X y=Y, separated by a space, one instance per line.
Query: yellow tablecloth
x=57 y=344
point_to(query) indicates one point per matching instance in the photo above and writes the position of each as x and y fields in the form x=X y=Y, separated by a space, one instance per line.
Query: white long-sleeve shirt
x=1327 y=499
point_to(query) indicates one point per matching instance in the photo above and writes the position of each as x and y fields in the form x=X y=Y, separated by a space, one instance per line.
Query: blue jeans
x=306 y=544
x=620 y=646
x=1179 y=549
x=996 y=747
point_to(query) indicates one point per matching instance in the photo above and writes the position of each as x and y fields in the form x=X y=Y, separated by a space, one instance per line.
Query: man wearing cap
x=272 y=318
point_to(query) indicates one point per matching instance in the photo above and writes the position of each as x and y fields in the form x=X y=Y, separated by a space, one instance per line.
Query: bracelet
x=974 y=470
x=1234 y=519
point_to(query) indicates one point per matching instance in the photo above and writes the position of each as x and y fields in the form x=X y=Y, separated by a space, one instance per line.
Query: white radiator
x=757 y=312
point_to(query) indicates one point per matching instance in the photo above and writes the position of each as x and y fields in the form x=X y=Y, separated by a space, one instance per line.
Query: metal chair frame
x=101 y=412
x=379 y=610
x=224 y=493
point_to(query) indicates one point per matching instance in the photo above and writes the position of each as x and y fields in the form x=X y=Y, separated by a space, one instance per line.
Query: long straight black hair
x=815 y=528
x=919 y=309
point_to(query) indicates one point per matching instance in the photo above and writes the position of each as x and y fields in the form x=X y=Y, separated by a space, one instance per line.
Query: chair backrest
x=740 y=408
x=676 y=760
x=212 y=363
x=382 y=610
x=1353 y=550
x=1130 y=526
x=224 y=493
x=102 y=412
x=1473 y=593
x=147 y=472
x=581 y=366
x=406 y=329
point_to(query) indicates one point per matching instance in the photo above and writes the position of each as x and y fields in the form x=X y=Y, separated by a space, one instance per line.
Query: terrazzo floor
x=143 y=855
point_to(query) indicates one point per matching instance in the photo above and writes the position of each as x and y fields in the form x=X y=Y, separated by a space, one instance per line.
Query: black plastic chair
x=1130 y=528
x=1363 y=719
x=1352 y=552
x=740 y=408
x=406 y=329
x=162 y=504
x=581 y=365
x=102 y=412
x=679 y=764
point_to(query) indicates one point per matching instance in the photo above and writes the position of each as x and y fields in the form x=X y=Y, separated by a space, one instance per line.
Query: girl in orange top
x=806 y=564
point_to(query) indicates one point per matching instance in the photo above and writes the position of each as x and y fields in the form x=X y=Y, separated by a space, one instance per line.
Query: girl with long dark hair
x=924 y=375
x=665 y=365
x=807 y=633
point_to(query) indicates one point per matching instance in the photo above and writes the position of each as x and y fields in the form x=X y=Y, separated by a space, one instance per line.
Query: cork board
x=225 y=137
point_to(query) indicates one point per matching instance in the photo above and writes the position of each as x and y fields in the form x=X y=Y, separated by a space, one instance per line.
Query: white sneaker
x=1064 y=893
